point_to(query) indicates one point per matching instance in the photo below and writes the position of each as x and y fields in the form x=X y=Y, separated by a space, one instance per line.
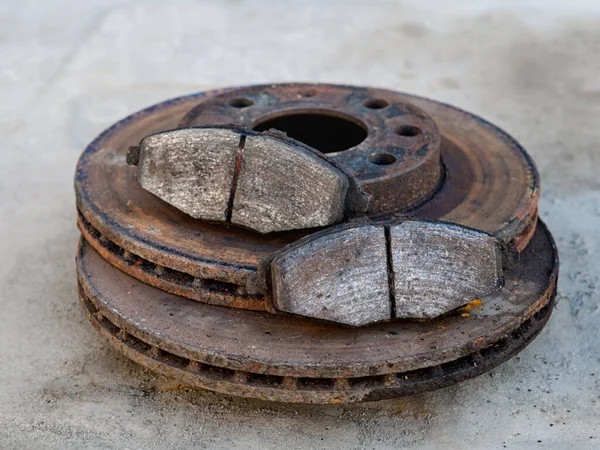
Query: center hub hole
x=326 y=133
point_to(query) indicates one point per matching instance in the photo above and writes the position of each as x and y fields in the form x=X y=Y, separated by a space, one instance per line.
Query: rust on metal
x=391 y=145
x=293 y=359
x=448 y=273
x=475 y=190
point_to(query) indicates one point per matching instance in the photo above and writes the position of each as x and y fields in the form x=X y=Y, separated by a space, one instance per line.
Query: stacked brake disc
x=312 y=243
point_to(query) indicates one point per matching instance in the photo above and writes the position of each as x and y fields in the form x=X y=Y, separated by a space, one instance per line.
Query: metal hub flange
x=390 y=144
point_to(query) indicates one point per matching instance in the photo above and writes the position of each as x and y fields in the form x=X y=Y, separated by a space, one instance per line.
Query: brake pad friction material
x=191 y=169
x=439 y=267
x=340 y=277
x=262 y=181
x=357 y=275
x=283 y=187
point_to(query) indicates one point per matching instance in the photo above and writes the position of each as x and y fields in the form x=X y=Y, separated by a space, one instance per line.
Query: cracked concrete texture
x=69 y=69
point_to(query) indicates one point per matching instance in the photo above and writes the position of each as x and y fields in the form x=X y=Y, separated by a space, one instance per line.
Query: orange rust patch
x=477 y=303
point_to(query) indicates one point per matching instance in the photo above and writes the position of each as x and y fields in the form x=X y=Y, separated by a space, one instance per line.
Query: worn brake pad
x=357 y=274
x=262 y=181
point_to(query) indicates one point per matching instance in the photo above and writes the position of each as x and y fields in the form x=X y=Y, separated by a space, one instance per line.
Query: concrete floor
x=68 y=69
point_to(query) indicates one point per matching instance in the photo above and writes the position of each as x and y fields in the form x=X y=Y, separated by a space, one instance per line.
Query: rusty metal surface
x=204 y=289
x=291 y=359
x=241 y=334
x=499 y=198
x=388 y=143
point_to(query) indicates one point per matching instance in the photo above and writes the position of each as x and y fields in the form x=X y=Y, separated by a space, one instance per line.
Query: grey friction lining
x=341 y=277
x=285 y=187
x=191 y=169
x=439 y=267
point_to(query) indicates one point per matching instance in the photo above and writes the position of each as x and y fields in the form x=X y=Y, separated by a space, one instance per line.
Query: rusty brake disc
x=142 y=261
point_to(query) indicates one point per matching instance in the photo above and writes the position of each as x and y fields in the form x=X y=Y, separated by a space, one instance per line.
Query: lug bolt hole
x=240 y=102
x=408 y=131
x=382 y=159
x=375 y=103
x=309 y=93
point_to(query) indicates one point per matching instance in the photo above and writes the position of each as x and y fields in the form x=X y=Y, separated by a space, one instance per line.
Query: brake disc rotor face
x=413 y=155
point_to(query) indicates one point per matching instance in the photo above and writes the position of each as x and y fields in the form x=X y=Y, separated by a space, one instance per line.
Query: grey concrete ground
x=68 y=69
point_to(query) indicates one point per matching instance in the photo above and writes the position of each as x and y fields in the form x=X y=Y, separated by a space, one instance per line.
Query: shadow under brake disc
x=312 y=243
